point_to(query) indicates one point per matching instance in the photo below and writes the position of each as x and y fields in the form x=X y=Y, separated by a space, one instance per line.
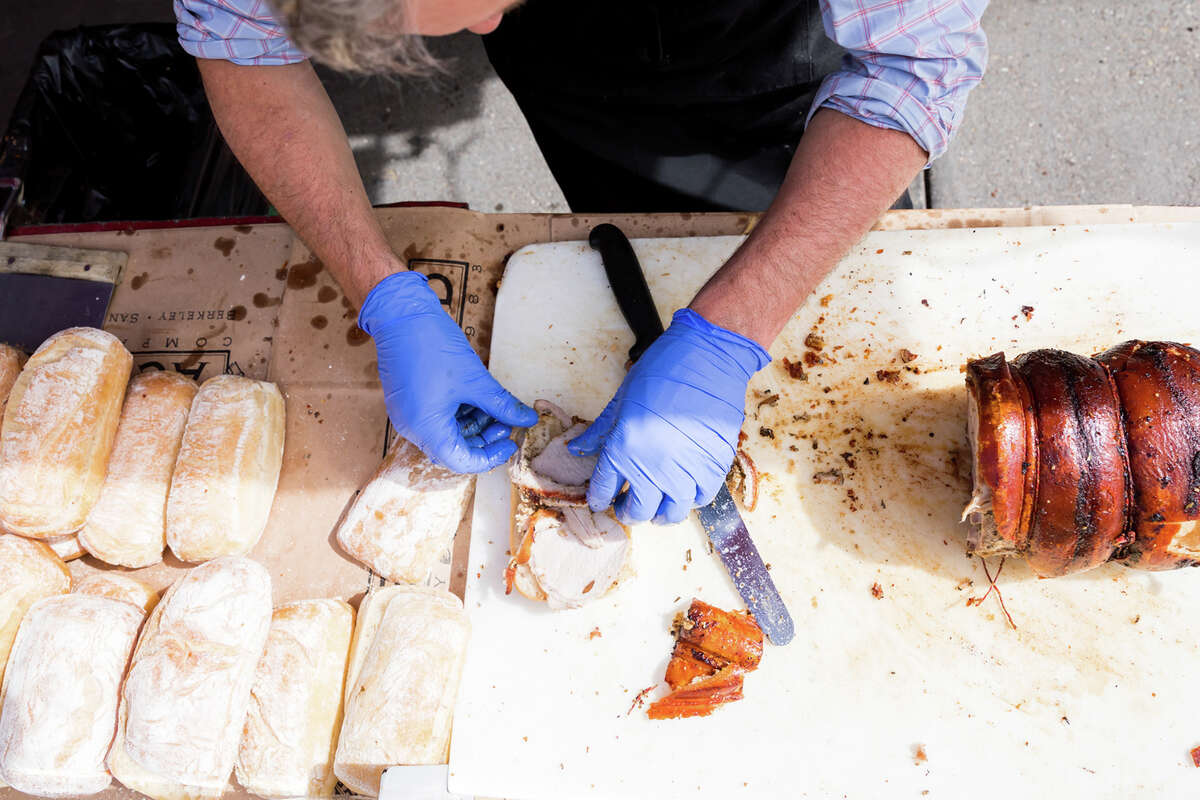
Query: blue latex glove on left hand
x=671 y=430
x=439 y=395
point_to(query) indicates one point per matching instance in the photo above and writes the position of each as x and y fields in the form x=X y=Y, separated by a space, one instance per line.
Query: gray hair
x=360 y=36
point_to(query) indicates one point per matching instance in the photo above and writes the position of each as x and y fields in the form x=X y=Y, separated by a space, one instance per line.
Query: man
x=638 y=106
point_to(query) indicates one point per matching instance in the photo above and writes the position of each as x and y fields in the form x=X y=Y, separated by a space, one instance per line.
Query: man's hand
x=439 y=395
x=671 y=430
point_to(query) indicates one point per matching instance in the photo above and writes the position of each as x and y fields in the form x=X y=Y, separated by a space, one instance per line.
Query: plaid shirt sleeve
x=909 y=67
x=242 y=31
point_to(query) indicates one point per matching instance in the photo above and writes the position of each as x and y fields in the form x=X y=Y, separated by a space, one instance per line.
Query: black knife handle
x=628 y=285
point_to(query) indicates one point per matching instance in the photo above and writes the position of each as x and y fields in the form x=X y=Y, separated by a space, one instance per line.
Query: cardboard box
x=250 y=299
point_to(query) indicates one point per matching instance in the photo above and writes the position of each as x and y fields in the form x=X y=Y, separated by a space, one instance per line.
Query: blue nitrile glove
x=671 y=430
x=439 y=395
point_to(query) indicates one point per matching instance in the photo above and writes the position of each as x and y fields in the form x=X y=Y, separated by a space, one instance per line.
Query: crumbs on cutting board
x=845 y=413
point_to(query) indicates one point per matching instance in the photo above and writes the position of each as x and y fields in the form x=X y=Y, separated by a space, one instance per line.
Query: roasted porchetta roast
x=1078 y=461
x=562 y=552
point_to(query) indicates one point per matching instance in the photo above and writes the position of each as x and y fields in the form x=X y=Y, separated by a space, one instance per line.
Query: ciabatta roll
x=11 y=361
x=184 y=701
x=29 y=571
x=59 y=707
x=127 y=526
x=227 y=470
x=296 y=704
x=404 y=519
x=58 y=431
x=66 y=547
x=405 y=664
x=116 y=586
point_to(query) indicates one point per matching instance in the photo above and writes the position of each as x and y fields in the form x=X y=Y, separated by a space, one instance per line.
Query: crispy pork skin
x=1159 y=388
x=1083 y=469
x=701 y=697
x=1004 y=458
x=732 y=636
x=714 y=649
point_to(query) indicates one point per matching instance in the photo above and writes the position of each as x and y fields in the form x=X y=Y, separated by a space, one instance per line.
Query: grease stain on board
x=319 y=322
x=263 y=300
x=304 y=275
x=237 y=313
x=356 y=336
x=243 y=228
x=326 y=294
x=225 y=245
x=139 y=281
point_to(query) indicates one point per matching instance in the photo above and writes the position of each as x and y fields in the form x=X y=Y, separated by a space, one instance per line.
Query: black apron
x=676 y=105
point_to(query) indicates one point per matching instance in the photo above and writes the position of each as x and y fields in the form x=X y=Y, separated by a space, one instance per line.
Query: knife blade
x=720 y=519
x=730 y=538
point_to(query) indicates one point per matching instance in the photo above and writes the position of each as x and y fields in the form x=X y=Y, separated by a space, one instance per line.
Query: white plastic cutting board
x=1093 y=695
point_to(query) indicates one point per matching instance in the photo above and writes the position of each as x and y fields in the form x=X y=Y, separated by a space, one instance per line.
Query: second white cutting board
x=895 y=685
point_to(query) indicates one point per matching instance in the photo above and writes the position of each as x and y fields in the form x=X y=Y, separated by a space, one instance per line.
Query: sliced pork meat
x=576 y=557
x=1004 y=458
x=563 y=553
x=544 y=466
x=561 y=466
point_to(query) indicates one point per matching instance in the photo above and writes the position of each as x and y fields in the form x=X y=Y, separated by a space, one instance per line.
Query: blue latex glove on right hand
x=439 y=395
x=671 y=429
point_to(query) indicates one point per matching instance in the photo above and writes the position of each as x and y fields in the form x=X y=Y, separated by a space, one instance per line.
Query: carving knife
x=720 y=518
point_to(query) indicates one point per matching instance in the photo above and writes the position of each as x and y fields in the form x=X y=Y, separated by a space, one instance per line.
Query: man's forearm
x=844 y=175
x=280 y=124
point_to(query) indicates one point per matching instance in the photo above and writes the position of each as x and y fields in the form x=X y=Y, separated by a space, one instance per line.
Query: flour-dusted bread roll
x=29 y=571
x=59 y=706
x=116 y=586
x=127 y=526
x=185 y=698
x=58 y=430
x=296 y=705
x=228 y=469
x=404 y=519
x=66 y=547
x=405 y=664
x=11 y=361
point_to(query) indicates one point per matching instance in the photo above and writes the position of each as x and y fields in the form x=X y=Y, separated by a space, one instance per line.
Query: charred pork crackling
x=1078 y=461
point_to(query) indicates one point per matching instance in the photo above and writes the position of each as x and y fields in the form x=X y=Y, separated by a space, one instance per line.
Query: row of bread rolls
x=195 y=470
x=216 y=683
x=91 y=461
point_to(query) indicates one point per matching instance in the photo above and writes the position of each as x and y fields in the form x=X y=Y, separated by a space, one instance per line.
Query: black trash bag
x=113 y=125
